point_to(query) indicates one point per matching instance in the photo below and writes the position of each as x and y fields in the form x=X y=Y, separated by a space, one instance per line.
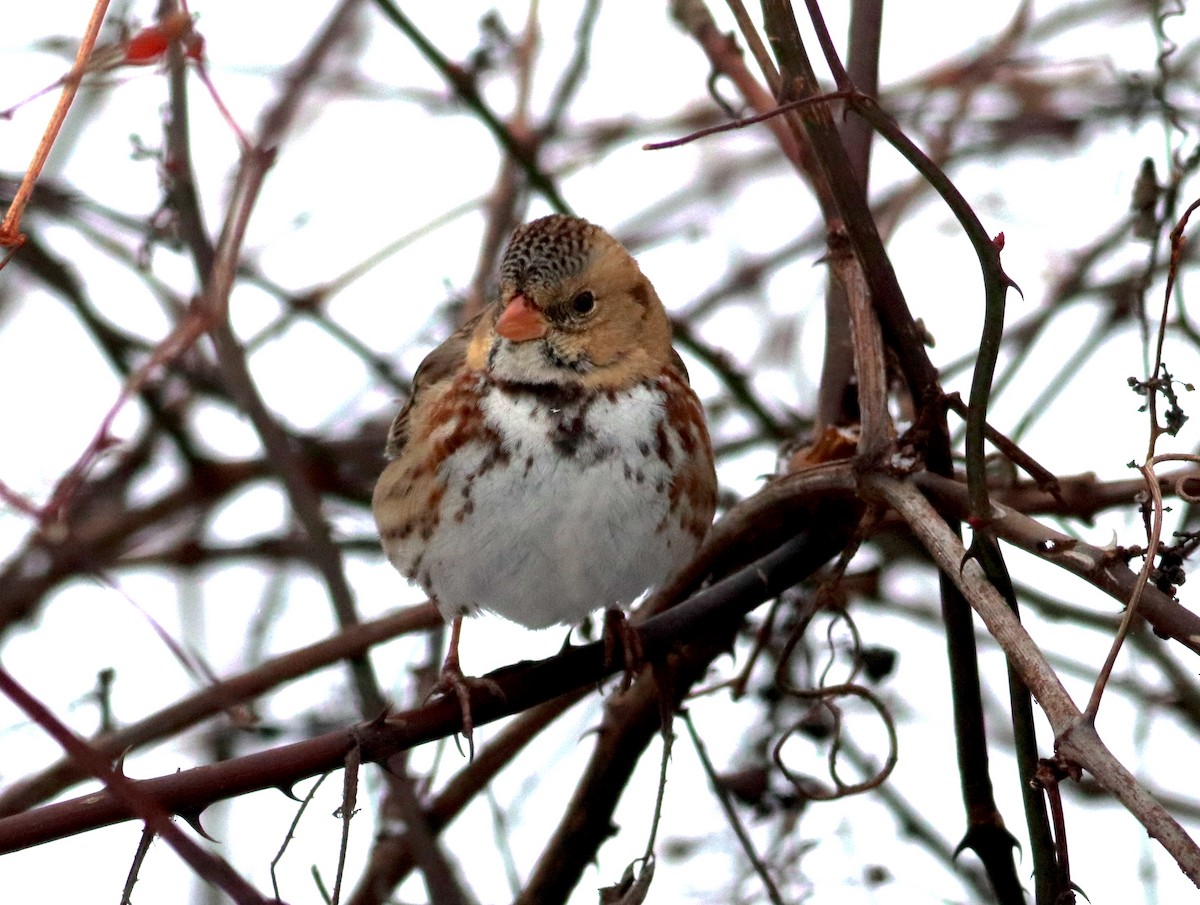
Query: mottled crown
x=549 y=250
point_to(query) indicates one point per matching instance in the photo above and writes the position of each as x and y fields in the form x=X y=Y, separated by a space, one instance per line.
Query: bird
x=552 y=458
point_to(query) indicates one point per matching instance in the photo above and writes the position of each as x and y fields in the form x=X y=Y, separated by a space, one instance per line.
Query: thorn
x=289 y=791
x=119 y=764
x=377 y=721
x=1012 y=284
x=193 y=820
x=566 y=645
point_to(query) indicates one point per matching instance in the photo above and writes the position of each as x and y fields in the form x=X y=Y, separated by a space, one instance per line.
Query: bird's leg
x=617 y=630
x=452 y=680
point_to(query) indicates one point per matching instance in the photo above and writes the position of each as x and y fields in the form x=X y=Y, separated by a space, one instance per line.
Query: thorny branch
x=158 y=502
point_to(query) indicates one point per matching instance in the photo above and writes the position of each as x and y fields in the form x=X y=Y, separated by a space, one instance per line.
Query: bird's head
x=574 y=309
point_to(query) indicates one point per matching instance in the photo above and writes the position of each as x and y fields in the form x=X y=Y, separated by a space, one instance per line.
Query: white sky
x=360 y=173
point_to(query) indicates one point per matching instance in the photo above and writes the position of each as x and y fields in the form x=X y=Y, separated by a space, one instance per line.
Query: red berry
x=147 y=46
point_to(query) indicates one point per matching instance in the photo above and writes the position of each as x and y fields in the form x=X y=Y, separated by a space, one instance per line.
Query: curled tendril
x=1184 y=494
x=841 y=617
x=1181 y=481
x=824 y=698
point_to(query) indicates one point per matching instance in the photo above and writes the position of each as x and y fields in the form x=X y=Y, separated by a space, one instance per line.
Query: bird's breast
x=563 y=502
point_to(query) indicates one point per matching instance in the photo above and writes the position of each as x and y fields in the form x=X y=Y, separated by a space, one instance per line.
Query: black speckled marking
x=547 y=251
x=569 y=434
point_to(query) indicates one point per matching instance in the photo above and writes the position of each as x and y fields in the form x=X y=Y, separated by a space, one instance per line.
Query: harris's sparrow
x=552 y=459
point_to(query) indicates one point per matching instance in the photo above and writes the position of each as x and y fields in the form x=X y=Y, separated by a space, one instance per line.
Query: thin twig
x=746 y=121
x=10 y=228
x=731 y=815
x=291 y=831
x=135 y=867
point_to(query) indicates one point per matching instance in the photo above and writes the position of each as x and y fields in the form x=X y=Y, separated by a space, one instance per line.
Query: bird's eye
x=583 y=303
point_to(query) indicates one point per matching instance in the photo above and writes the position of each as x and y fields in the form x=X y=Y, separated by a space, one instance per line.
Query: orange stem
x=10 y=229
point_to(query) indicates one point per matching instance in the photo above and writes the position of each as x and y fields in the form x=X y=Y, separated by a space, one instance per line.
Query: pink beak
x=521 y=321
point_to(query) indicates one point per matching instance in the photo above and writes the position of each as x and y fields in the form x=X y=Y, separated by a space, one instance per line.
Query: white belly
x=572 y=517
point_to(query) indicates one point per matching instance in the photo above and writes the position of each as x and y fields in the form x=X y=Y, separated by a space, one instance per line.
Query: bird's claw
x=617 y=630
x=452 y=681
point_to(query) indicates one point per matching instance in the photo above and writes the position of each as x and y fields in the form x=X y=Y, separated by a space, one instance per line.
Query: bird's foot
x=452 y=681
x=617 y=630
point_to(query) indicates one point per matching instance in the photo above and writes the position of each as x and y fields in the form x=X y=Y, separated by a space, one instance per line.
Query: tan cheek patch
x=603 y=339
x=626 y=321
